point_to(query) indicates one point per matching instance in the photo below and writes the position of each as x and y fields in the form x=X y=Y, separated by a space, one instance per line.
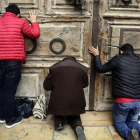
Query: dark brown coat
x=66 y=79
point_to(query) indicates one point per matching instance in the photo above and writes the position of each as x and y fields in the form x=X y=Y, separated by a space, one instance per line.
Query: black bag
x=23 y=107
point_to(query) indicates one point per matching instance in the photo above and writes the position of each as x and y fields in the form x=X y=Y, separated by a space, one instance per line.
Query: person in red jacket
x=12 y=54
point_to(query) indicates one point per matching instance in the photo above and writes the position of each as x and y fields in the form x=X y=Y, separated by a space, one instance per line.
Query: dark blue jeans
x=10 y=74
x=125 y=118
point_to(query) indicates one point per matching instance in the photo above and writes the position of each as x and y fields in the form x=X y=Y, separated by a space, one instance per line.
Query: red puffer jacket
x=12 y=29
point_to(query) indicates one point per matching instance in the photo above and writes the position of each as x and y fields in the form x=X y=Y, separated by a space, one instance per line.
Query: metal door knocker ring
x=34 y=47
x=57 y=46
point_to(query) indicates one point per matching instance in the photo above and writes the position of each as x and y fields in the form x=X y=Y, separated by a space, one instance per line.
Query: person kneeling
x=66 y=80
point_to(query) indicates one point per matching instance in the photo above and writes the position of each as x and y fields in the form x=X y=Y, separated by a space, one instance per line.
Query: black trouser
x=74 y=121
x=10 y=74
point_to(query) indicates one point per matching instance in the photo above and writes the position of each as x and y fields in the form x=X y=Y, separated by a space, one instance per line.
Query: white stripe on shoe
x=2 y=121
x=12 y=125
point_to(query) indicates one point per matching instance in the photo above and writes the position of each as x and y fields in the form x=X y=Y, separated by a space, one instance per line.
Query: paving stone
x=33 y=120
x=27 y=132
x=1 y=124
x=49 y=120
x=97 y=126
x=66 y=134
x=97 y=118
x=114 y=133
x=97 y=133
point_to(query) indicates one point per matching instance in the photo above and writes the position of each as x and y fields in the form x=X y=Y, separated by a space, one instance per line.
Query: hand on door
x=93 y=50
x=33 y=16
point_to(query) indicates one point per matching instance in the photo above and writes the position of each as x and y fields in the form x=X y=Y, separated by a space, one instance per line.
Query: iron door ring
x=60 y=41
x=34 y=47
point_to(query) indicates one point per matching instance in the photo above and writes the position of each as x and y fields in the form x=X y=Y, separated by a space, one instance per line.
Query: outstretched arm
x=102 y=68
x=32 y=31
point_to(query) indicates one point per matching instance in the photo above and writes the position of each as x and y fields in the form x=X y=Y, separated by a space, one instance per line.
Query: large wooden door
x=118 y=24
x=57 y=19
x=114 y=23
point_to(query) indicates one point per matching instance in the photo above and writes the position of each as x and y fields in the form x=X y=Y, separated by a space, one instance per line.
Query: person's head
x=126 y=48
x=13 y=8
x=70 y=57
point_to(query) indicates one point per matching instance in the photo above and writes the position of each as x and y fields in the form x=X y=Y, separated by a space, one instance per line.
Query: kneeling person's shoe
x=2 y=120
x=80 y=133
x=134 y=135
x=17 y=121
x=59 y=127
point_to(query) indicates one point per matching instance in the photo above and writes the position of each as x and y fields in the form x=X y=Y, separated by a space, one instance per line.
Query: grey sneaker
x=134 y=135
x=80 y=133
x=17 y=121
x=2 y=120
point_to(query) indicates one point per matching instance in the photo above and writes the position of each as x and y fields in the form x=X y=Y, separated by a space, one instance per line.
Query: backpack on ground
x=39 y=110
x=23 y=107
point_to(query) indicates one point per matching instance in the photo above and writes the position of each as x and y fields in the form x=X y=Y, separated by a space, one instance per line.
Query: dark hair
x=127 y=48
x=13 y=8
x=70 y=57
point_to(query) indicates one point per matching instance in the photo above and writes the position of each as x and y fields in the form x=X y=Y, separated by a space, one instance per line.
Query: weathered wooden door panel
x=71 y=33
x=118 y=24
x=31 y=82
x=57 y=19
